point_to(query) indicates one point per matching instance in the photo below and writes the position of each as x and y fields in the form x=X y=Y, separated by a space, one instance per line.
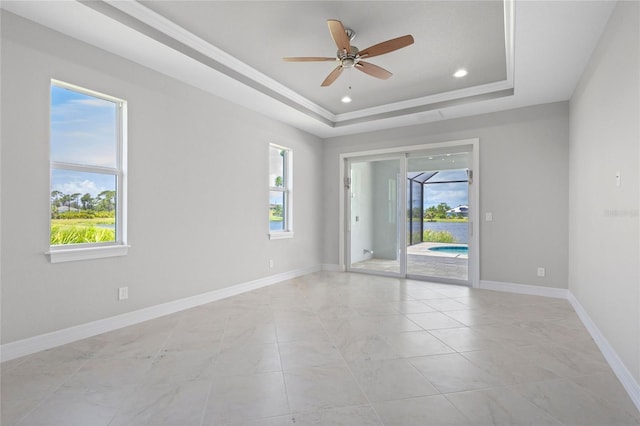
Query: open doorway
x=438 y=216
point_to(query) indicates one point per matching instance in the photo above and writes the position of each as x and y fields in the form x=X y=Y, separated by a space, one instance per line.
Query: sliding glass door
x=408 y=214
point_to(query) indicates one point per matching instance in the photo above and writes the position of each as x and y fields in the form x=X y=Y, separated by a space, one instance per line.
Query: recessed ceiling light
x=460 y=73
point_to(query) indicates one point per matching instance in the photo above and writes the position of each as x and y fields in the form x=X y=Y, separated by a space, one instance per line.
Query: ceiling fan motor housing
x=350 y=59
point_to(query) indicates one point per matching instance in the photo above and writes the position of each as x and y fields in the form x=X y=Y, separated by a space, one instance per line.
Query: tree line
x=434 y=212
x=103 y=202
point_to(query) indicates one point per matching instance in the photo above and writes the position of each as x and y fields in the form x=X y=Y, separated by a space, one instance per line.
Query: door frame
x=474 y=196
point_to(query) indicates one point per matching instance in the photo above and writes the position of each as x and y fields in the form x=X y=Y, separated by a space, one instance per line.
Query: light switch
x=618 y=178
x=488 y=216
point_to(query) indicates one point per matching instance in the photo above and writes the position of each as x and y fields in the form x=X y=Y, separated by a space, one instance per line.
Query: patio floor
x=421 y=261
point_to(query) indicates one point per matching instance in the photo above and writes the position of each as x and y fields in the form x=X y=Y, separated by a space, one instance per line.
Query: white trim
x=85 y=253
x=85 y=91
x=410 y=148
x=510 y=39
x=621 y=371
x=425 y=100
x=534 y=290
x=31 y=345
x=283 y=235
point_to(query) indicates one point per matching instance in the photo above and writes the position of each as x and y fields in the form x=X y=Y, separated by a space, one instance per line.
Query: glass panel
x=276 y=211
x=83 y=129
x=276 y=167
x=416 y=212
x=83 y=207
x=439 y=241
x=448 y=176
x=374 y=231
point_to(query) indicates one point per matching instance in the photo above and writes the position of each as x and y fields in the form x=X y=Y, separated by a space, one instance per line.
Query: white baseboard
x=533 y=290
x=621 y=371
x=31 y=345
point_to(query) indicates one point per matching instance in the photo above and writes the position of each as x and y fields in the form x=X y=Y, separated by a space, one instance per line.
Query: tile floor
x=330 y=349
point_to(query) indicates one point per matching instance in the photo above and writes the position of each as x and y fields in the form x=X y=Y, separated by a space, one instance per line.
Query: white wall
x=604 y=239
x=198 y=199
x=523 y=182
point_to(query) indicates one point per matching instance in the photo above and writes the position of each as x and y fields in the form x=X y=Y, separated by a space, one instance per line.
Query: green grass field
x=78 y=231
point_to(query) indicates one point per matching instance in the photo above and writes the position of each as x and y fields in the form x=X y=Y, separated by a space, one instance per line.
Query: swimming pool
x=451 y=249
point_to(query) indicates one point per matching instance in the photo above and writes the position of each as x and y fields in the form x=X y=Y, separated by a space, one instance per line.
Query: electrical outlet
x=270 y=263
x=541 y=271
x=123 y=293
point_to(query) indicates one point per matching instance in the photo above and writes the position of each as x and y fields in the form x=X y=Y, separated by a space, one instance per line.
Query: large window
x=87 y=154
x=280 y=192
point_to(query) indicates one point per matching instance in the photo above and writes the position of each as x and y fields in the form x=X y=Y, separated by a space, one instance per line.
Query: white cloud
x=79 y=187
x=95 y=102
x=454 y=194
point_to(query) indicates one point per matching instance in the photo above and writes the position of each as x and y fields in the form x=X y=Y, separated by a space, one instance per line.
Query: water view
x=459 y=230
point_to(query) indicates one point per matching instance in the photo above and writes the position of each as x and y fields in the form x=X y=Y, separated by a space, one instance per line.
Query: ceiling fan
x=349 y=56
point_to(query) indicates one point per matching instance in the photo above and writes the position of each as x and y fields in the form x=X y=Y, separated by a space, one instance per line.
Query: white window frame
x=287 y=190
x=72 y=252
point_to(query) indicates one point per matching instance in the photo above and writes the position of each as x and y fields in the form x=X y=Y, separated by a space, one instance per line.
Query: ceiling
x=517 y=53
x=447 y=36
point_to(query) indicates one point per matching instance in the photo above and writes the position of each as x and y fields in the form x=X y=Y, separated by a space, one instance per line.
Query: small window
x=280 y=192
x=87 y=161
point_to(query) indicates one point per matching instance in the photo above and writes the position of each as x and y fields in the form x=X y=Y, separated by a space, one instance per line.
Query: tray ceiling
x=517 y=53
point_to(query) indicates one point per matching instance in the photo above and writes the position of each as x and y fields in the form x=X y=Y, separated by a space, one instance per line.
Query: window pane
x=83 y=129
x=276 y=167
x=276 y=210
x=83 y=207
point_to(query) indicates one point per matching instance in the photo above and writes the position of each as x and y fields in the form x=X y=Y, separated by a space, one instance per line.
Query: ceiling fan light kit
x=349 y=56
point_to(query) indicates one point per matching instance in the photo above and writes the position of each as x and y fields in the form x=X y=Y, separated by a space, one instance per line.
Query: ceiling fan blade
x=332 y=76
x=339 y=35
x=307 y=59
x=387 y=46
x=373 y=70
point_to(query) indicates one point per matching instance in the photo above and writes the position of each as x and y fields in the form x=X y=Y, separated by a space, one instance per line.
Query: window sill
x=281 y=235
x=85 y=253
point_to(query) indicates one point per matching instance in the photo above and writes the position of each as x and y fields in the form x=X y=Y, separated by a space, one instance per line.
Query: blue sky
x=454 y=194
x=83 y=131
